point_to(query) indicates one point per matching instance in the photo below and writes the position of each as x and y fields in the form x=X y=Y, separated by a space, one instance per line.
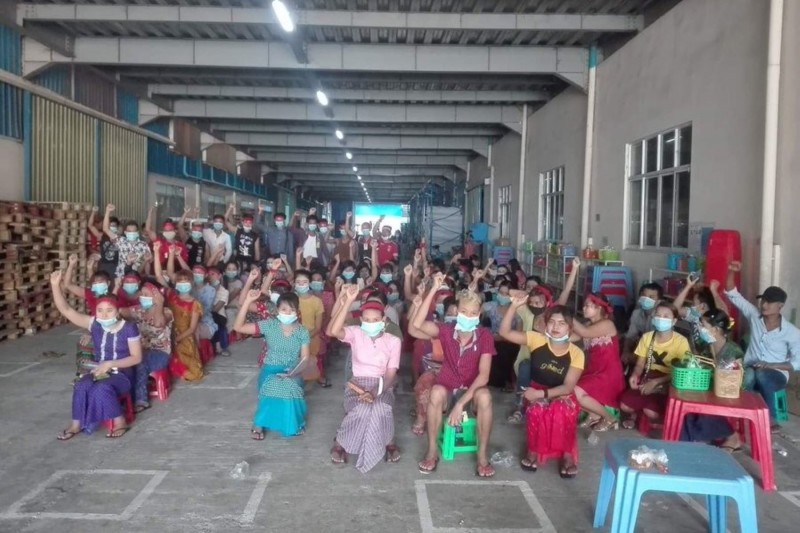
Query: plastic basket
x=697 y=379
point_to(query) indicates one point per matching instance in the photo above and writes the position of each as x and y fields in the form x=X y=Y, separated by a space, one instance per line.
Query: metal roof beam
x=346 y=95
x=363 y=170
x=374 y=113
x=350 y=129
x=479 y=145
x=569 y=62
x=334 y=19
x=397 y=159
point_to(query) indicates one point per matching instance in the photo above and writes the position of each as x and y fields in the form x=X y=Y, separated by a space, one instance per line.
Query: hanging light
x=348 y=155
x=283 y=15
x=359 y=178
x=355 y=169
x=339 y=134
x=322 y=98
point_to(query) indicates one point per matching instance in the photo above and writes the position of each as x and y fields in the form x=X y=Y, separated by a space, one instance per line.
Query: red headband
x=543 y=291
x=108 y=299
x=372 y=304
x=599 y=302
x=281 y=283
x=169 y=226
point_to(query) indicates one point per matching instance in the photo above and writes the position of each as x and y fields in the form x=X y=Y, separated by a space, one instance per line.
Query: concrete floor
x=171 y=472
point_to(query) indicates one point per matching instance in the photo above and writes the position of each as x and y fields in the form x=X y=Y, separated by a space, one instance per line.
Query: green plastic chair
x=610 y=410
x=458 y=439
x=781 y=406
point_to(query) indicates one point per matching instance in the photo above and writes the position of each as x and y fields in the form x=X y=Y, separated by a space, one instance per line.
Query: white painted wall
x=702 y=62
x=12 y=160
x=556 y=137
x=505 y=160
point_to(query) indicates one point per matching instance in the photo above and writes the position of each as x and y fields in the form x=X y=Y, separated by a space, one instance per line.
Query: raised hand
x=187 y=211
x=735 y=266
x=95 y=209
x=519 y=300
x=254 y=275
x=156 y=246
x=714 y=285
x=576 y=263
x=283 y=258
x=349 y=214
x=438 y=279
x=252 y=296
x=172 y=249
x=312 y=211
x=73 y=259
x=351 y=292
x=408 y=270
x=55 y=278
x=417 y=301
x=110 y=208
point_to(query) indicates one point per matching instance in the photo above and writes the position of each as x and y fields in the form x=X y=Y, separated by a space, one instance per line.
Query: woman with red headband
x=368 y=426
x=556 y=366
x=117 y=349
x=603 y=380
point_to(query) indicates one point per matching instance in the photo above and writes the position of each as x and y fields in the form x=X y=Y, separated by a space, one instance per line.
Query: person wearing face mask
x=312 y=314
x=431 y=361
x=196 y=248
x=715 y=328
x=641 y=321
x=365 y=242
x=117 y=350
x=281 y=403
x=460 y=387
x=502 y=374
x=106 y=248
x=388 y=250
x=234 y=285
x=368 y=426
x=348 y=272
x=169 y=234
x=187 y=312
x=690 y=310
x=345 y=245
x=129 y=295
x=278 y=240
x=246 y=241
x=323 y=292
x=312 y=243
x=556 y=367
x=132 y=251
x=218 y=239
x=155 y=326
x=655 y=353
x=394 y=300
x=220 y=338
x=204 y=293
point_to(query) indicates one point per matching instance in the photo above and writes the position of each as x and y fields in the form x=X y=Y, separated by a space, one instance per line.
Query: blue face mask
x=301 y=289
x=287 y=319
x=214 y=283
x=107 y=323
x=440 y=309
x=317 y=286
x=231 y=274
x=132 y=235
x=114 y=230
x=386 y=277
x=342 y=232
x=197 y=235
x=393 y=296
x=184 y=287
x=274 y=297
x=348 y=275
x=365 y=232
x=199 y=279
x=99 y=289
x=373 y=329
x=662 y=324
x=312 y=228
x=450 y=319
x=646 y=303
x=466 y=324
x=706 y=336
x=563 y=338
x=323 y=230
x=130 y=288
x=146 y=302
x=693 y=315
x=218 y=226
x=502 y=299
x=280 y=223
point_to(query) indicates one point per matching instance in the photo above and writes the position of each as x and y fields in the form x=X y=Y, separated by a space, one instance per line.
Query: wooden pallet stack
x=37 y=239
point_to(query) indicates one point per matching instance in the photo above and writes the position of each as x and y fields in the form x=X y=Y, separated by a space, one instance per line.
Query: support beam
x=337 y=19
x=479 y=145
x=354 y=129
x=347 y=95
x=398 y=159
x=299 y=170
x=570 y=62
x=367 y=113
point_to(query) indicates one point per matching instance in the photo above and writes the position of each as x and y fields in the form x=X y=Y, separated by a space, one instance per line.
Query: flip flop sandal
x=338 y=455
x=324 y=384
x=606 y=425
x=515 y=418
x=418 y=430
x=629 y=423
x=257 y=434
x=141 y=408
x=531 y=466
x=115 y=432
x=485 y=471
x=589 y=422
x=66 y=435
x=422 y=466
x=568 y=472
x=390 y=450
x=731 y=449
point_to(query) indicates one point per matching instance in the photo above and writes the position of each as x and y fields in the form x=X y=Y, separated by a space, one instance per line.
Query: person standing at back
x=388 y=250
x=277 y=239
x=246 y=242
x=218 y=239
x=196 y=248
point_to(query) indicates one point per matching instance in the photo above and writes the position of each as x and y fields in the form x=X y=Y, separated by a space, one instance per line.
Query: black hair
x=302 y=272
x=102 y=276
x=668 y=305
x=439 y=263
x=279 y=214
x=347 y=264
x=719 y=319
x=377 y=294
x=450 y=300
x=325 y=220
x=132 y=223
x=218 y=216
x=705 y=296
x=652 y=286
x=514 y=265
x=291 y=299
x=505 y=283
x=113 y=220
x=537 y=279
x=388 y=266
x=562 y=310
x=309 y=218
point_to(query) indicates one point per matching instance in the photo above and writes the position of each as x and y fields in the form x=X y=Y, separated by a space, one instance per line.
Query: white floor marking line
x=249 y=514
x=793 y=496
x=21 y=369
x=426 y=518
x=702 y=511
x=13 y=512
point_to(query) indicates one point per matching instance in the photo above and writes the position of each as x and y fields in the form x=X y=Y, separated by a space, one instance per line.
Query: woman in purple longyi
x=117 y=350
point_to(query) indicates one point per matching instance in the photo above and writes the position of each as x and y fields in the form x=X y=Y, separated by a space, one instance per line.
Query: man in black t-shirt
x=196 y=245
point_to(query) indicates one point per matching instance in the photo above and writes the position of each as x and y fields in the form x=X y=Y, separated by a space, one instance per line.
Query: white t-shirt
x=221 y=296
x=310 y=247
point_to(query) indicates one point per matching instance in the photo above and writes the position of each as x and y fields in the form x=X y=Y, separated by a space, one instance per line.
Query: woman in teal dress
x=281 y=403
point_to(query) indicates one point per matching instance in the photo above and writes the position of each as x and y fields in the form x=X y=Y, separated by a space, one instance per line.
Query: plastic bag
x=644 y=458
x=240 y=470
x=504 y=459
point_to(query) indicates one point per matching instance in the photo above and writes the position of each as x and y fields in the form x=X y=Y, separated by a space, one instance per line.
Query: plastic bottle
x=593 y=439
x=780 y=449
x=240 y=470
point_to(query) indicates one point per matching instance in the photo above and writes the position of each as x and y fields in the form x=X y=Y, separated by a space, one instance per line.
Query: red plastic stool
x=127 y=406
x=206 y=351
x=161 y=385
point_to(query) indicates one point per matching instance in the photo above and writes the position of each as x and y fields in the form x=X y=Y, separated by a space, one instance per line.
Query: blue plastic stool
x=693 y=469
x=781 y=406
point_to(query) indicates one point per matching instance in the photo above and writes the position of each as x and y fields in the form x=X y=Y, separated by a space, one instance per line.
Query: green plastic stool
x=610 y=410
x=452 y=441
x=781 y=406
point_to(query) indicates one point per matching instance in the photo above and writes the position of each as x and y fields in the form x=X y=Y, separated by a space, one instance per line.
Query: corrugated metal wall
x=57 y=78
x=95 y=91
x=10 y=50
x=127 y=106
x=123 y=170
x=10 y=97
x=62 y=154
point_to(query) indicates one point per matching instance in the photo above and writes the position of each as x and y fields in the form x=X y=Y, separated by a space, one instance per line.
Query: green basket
x=698 y=379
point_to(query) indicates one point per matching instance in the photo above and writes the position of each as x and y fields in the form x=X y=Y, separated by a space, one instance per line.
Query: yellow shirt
x=547 y=367
x=663 y=354
x=310 y=309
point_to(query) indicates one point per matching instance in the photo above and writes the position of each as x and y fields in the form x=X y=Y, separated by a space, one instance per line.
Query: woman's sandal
x=606 y=424
x=257 y=434
x=392 y=453
x=67 y=434
x=115 y=432
x=588 y=422
x=338 y=455
x=418 y=429
x=428 y=466
x=629 y=423
x=528 y=465
x=142 y=407
x=486 y=470
x=515 y=417
x=567 y=472
x=325 y=384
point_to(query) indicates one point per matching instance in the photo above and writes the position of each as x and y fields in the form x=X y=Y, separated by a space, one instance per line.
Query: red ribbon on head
x=281 y=283
x=599 y=302
x=541 y=290
x=108 y=299
x=169 y=226
x=372 y=304
x=131 y=277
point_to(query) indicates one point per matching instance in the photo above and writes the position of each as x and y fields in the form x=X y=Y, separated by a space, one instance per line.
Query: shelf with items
x=672 y=281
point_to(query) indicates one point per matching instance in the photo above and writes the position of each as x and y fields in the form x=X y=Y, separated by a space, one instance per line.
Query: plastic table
x=693 y=468
x=748 y=406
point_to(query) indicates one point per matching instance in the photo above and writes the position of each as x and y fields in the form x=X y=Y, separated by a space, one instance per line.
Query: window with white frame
x=551 y=204
x=659 y=173
x=171 y=201
x=504 y=212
